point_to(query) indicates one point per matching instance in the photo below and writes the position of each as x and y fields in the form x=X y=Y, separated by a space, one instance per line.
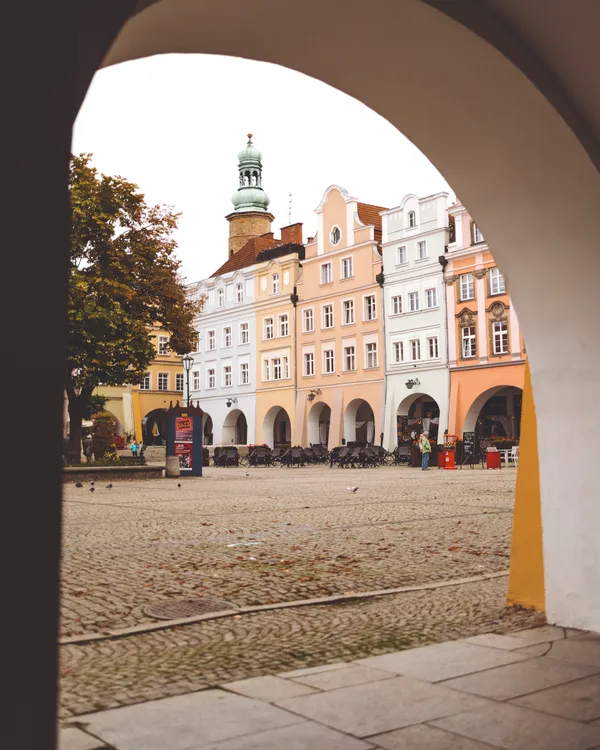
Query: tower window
x=412 y=219
x=336 y=235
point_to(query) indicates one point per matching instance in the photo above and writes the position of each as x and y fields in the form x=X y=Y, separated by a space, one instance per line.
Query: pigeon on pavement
x=92 y=489
x=351 y=489
x=109 y=486
x=78 y=484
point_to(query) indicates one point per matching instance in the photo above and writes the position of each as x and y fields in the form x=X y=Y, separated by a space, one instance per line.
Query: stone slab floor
x=534 y=689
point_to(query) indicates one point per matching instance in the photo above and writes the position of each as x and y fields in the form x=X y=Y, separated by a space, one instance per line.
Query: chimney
x=292 y=234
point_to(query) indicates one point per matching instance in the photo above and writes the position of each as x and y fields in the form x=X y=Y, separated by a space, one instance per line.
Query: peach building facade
x=486 y=353
x=339 y=323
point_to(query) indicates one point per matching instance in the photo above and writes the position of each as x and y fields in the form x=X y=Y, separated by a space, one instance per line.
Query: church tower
x=250 y=217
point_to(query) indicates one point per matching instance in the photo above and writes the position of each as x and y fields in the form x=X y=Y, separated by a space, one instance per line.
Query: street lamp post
x=188 y=361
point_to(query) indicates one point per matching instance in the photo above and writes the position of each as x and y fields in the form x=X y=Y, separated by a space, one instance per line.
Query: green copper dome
x=250 y=196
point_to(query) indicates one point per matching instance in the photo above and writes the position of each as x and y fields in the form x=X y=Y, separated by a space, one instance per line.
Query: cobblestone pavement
x=142 y=542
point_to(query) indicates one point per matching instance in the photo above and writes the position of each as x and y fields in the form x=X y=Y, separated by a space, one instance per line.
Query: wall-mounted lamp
x=231 y=401
x=312 y=393
x=410 y=383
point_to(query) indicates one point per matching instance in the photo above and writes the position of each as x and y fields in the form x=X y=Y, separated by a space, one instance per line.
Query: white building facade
x=417 y=381
x=223 y=376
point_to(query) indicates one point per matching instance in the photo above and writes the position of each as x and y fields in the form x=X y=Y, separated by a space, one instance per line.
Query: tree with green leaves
x=124 y=277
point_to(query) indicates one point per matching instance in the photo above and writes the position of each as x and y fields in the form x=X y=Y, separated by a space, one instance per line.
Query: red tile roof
x=369 y=214
x=246 y=255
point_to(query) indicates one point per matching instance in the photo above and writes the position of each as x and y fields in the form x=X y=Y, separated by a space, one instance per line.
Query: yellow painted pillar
x=526 y=580
x=137 y=415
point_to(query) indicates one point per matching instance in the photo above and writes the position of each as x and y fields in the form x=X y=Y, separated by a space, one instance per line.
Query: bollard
x=172 y=468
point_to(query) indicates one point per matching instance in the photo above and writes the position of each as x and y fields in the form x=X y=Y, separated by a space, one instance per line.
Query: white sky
x=173 y=124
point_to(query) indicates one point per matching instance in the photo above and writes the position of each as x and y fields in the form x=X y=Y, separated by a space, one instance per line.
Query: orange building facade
x=486 y=352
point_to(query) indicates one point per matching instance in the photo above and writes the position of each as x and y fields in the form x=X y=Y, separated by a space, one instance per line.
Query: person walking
x=425 y=448
x=134 y=448
x=87 y=447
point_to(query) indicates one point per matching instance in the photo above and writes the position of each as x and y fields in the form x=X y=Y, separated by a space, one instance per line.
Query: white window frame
x=347 y=264
x=239 y=292
x=432 y=291
x=326 y=273
x=275 y=283
x=348 y=312
x=163 y=346
x=227 y=376
x=469 y=342
x=308 y=314
x=370 y=311
x=397 y=304
x=211 y=340
x=500 y=336
x=146 y=382
x=414 y=303
x=220 y=298
x=422 y=251
x=195 y=380
x=401 y=255
x=164 y=378
x=477 y=235
x=433 y=345
x=398 y=348
x=277 y=368
x=309 y=364
x=371 y=355
x=179 y=381
x=227 y=337
x=244 y=373
x=283 y=325
x=286 y=368
x=415 y=348
x=266 y=370
x=328 y=361
x=334 y=238
x=466 y=283
x=268 y=328
x=244 y=333
x=350 y=358
x=497 y=282
x=412 y=219
x=211 y=378
x=325 y=308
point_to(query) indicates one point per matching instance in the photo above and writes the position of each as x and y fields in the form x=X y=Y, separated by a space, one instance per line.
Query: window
x=211 y=380
x=163 y=345
x=244 y=333
x=244 y=373
x=497 y=285
x=269 y=328
x=328 y=361
x=500 y=330
x=431 y=298
x=197 y=342
x=370 y=307
x=467 y=286
x=371 y=350
x=179 y=381
x=396 y=305
x=227 y=376
x=413 y=301
x=432 y=347
x=221 y=298
x=412 y=219
x=421 y=250
x=284 y=326
x=348 y=306
x=146 y=383
x=239 y=292
x=275 y=284
x=398 y=351
x=349 y=358
x=477 y=236
x=309 y=364
x=336 y=235
x=266 y=370
x=415 y=349
x=211 y=340
x=347 y=268
x=227 y=336
x=326 y=275
x=308 y=320
x=277 y=368
x=163 y=381
x=195 y=380
x=401 y=255
x=286 y=368
x=469 y=346
x=328 y=316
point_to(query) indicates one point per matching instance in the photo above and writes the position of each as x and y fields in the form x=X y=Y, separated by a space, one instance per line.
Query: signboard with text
x=185 y=438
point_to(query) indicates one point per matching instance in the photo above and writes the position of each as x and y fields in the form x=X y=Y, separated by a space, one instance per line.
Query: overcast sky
x=173 y=124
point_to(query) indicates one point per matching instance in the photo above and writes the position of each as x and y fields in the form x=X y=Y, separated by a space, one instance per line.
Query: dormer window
x=275 y=283
x=412 y=219
x=221 y=298
x=239 y=292
x=336 y=235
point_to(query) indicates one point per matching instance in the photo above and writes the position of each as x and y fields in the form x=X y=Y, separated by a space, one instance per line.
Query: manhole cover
x=173 y=609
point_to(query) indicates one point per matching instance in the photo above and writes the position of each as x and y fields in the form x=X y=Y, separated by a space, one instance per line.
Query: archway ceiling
x=553 y=44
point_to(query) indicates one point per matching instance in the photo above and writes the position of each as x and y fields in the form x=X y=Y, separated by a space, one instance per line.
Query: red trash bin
x=449 y=456
x=492 y=459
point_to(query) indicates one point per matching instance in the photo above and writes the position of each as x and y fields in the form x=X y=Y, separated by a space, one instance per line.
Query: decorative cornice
x=480 y=274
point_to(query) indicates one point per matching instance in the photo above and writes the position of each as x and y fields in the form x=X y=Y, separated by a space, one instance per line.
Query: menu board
x=468 y=446
x=183 y=441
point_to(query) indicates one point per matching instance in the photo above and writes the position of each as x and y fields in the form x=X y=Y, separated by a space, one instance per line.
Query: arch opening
x=416 y=413
x=154 y=427
x=207 y=429
x=496 y=414
x=235 y=428
x=359 y=423
x=319 y=420
x=277 y=428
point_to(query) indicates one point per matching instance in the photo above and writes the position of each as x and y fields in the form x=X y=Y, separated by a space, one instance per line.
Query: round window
x=336 y=235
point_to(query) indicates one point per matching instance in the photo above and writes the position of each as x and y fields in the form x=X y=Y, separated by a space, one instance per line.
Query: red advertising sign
x=183 y=451
x=183 y=429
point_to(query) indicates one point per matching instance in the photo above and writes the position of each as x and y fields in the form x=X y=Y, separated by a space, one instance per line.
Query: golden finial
x=249 y=136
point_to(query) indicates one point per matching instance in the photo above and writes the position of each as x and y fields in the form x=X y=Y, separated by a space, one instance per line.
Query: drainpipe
x=380 y=279
x=294 y=301
x=443 y=263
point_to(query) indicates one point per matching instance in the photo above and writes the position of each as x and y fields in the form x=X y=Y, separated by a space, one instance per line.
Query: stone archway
x=154 y=427
x=277 y=427
x=496 y=413
x=318 y=423
x=235 y=428
x=359 y=422
x=419 y=412
x=207 y=429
